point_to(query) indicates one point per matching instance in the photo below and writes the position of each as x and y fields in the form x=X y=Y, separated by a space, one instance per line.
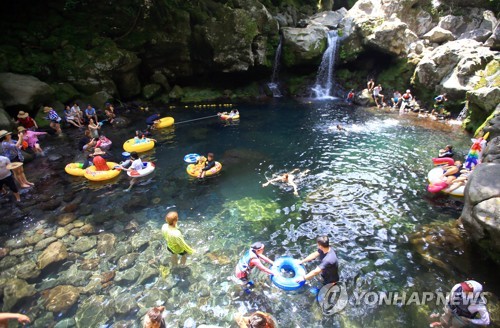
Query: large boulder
x=439 y=35
x=392 y=37
x=481 y=213
x=493 y=41
x=452 y=67
x=60 y=298
x=486 y=98
x=303 y=45
x=330 y=19
x=5 y=120
x=55 y=252
x=24 y=92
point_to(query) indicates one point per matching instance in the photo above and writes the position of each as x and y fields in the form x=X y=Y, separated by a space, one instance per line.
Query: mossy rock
x=249 y=91
x=191 y=95
x=150 y=91
x=176 y=93
x=65 y=92
x=398 y=76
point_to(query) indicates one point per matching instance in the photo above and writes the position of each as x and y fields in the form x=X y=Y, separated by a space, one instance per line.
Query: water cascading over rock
x=274 y=85
x=324 y=79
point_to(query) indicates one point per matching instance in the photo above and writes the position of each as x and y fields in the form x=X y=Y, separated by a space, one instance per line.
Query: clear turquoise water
x=365 y=189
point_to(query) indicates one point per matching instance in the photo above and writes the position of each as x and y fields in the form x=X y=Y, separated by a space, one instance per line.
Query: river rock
x=8 y=262
x=16 y=290
x=65 y=219
x=45 y=320
x=66 y=323
x=150 y=91
x=50 y=205
x=439 y=35
x=22 y=251
x=119 y=122
x=129 y=275
x=60 y=298
x=140 y=239
x=480 y=35
x=4 y=252
x=106 y=244
x=481 y=213
x=24 y=92
x=25 y=270
x=125 y=303
x=61 y=232
x=42 y=244
x=55 y=252
x=74 y=276
x=95 y=311
x=127 y=261
x=89 y=264
x=84 y=244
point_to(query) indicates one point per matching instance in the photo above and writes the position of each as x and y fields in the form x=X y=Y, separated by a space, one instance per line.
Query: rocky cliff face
x=481 y=213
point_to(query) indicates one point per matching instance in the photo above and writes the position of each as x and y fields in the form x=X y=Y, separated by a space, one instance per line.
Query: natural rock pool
x=366 y=190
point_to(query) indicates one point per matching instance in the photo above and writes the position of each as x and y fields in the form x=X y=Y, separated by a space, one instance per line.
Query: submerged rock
x=55 y=252
x=95 y=311
x=60 y=298
x=15 y=291
x=25 y=270
x=106 y=244
x=84 y=244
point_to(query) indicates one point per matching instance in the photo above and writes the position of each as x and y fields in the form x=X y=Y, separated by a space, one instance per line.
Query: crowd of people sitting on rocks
x=404 y=102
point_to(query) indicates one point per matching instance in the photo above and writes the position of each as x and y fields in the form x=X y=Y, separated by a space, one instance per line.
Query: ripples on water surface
x=366 y=190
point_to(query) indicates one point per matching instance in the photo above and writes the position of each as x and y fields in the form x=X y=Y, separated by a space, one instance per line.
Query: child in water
x=207 y=163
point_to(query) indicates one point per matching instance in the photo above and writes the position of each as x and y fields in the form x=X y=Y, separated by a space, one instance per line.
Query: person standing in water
x=175 y=241
x=136 y=165
x=289 y=179
x=329 y=266
x=465 y=307
x=251 y=259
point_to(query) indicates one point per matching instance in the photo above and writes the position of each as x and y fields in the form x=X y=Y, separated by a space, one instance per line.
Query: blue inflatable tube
x=286 y=270
x=191 y=158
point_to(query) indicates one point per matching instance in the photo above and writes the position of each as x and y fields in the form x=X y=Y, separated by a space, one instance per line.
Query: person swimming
x=289 y=179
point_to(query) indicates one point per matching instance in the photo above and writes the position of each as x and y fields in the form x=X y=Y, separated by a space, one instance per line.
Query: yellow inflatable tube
x=195 y=169
x=131 y=145
x=93 y=175
x=75 y=169
x=227 y=117
x=165 y=122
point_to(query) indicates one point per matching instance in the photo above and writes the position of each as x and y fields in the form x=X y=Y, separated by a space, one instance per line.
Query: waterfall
x=324 y=79
x=462 y=114
x=273 y=85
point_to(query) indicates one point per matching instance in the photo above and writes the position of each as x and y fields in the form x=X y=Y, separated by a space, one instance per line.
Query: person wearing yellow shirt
x=175 y=242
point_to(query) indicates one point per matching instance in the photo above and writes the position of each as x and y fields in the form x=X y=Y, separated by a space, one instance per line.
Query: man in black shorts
x=329 y=266
x=6 y=177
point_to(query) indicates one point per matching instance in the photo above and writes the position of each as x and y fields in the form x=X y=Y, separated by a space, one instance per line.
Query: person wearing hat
x=175 y=241
x=6 y=177
x=329 y=266
x=98 y=161
x=25 y=120
x=12 y=150
x=252 y=259
x=31 y=139
x=465 y=307
x=407 y=98
x=54 y=119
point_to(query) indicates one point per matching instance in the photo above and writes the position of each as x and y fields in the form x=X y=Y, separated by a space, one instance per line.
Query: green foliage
x=195 y=95
x=398 y=76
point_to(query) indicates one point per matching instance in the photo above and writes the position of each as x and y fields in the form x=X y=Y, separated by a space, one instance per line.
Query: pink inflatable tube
x=437 y=187
x=444 y=160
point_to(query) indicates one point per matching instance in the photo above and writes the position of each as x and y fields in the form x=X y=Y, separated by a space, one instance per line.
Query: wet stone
x=129 y=275
x=87 y=229
x=60 y=298
x=22 y=251
x=125 y=303
x=95 y=311
x=15 y=243
x=55 y=252
x=65 y=219
x=66 y=323
x=31 y=240
x=127 y=261
x=84 y=244
x=4 y=252
x=42 y=244
x=75 y=277
x=125 y=324
x=44 y=321
x=78 y=224
x=50 y=205
x=16 y=290
x=89 y=264
x=121 y=250
x=25 y=270
x=107 y=276
x=70 y=208
x=54 y=157
x=106 y=244
x=140 y=239
x=61 y=232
